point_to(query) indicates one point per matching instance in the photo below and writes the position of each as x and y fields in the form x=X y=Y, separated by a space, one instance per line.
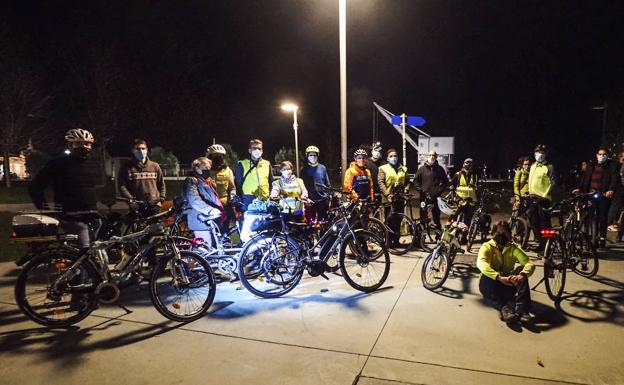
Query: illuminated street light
x=294 y=108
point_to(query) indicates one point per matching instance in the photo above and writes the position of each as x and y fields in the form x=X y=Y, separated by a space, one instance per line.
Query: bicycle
x=519 y=223
x=567 y=247
x=438 y=263
x=481 y=221
x=63 y=286
x=284 y=254
x=403 y=234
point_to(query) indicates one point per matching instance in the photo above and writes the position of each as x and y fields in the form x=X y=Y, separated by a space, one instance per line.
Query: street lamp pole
x=294 y=108
x=342 y=17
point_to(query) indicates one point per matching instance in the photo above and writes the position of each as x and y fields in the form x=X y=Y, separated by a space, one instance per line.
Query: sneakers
x=507 y=315
x=525 y=317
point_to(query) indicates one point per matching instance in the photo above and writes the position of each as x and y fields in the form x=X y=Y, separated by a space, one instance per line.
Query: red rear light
x=548 y=233
x=14 y=235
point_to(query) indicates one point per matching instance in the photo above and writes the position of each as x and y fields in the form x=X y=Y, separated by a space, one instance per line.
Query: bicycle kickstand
x=538 y=283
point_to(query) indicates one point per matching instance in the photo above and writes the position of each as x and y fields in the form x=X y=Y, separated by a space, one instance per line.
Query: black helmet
x=541 y=147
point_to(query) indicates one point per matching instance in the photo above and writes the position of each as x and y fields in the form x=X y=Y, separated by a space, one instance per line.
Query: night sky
x=500 y=76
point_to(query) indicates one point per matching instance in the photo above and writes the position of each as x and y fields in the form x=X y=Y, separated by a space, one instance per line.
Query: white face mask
x=376 y=154
x=540 y=157
x=256 y=154
x=601 y=158
x=393 y=160
x=312 y=159
x=286 y=173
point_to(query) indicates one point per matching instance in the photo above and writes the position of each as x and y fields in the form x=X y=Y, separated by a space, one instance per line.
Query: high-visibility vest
x=223 y=178
x=289 y=190
x=466 y=190
x=539 y=181
x=393 y=177
x=257 y=181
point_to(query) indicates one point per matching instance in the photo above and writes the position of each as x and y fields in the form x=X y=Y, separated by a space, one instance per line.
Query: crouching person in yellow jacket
x=502 y=284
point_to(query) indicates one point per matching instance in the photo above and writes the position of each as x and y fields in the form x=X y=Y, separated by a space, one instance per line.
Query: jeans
x=317 y=211
x=518 y=298
x=86 y=231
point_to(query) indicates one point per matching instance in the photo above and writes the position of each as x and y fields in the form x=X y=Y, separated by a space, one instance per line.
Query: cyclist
x=521 y=179
x=505 y=286
x=392 y=176
x=223 y=176
x=253 y=176
x=431 y=179
x=373 y=164
x=464 y=182
x=358 y=179
x=200 y=192
x=601 y=177
x=73 y=178
x=142 y=179
x=315 y=179
x=616 y=216
x=291 y=192
x=541 y=183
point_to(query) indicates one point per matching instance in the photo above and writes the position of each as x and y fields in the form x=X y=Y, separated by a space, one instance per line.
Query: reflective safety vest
x=465 y=189
x=290 y=191
x=521 y=182
x=223 y=178
x=393 y=177
x=539 y=181
x=257 y=180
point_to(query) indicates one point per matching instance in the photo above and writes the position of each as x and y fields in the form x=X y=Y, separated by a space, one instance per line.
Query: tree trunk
x=7 y=168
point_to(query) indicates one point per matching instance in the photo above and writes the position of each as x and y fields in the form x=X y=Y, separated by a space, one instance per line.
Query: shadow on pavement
x=611 y=254
x=545 y=317
x=69 y=345
x=465 y=272
x=594 y=306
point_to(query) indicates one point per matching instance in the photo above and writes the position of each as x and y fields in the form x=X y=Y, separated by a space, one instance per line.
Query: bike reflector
x=548 y=233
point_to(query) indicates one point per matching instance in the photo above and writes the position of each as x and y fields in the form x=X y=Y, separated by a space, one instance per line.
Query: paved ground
x=402 y=334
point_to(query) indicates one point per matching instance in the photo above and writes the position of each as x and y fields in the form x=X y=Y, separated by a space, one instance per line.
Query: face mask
x=256 y=154
x=140 y=154
x=601 y=158
x=376 y=154
x=312 y=159
x=501 y=239
x=286 y=174
x=540 y=157
x=81 y=152
x=393 y=161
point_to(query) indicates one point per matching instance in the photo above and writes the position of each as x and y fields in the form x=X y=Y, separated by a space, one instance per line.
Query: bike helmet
x=216 y=149
x=360 y=152
x=540 y=147
x=79 y=135
x=446 y=207
x=310 y=149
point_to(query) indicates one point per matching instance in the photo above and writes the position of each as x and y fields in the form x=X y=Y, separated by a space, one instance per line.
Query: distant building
x=17 y=165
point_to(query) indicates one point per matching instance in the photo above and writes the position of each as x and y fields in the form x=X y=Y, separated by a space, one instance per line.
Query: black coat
x=609 y=180
x=431 y=179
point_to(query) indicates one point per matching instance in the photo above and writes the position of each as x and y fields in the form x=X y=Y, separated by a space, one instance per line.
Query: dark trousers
x=518 y=298
x=317 y=211
x=468 y=211
x=539 y=218
x=86 y=231
x=435 y=213
x=395 y=222
x=602 y=211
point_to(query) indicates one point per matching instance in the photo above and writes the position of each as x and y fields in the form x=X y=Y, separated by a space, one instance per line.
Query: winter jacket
x=202 y=199
x=142 y=181
x=431 y=179
x=609 y=178
x=315 y=176
x=492 y=262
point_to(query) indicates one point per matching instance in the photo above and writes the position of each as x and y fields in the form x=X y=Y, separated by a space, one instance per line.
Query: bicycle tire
x=554 y=269
x=520 y=232
x=473 y=229
x=584 y=255
x=58 y=260
x=205 y=278
x=364 y=262
x=407 y=234
x=435 y=269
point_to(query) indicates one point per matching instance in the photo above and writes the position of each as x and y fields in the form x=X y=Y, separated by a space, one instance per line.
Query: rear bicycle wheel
x=365 y=263
x=435 y=269
x=473 y=230
x=71 y=302
x=427 y=236
x=402 y=238
x=275 y=258
x=182 y=289
x=584 y=256
x=554 y=268
x=378 y=228
x=520 y=232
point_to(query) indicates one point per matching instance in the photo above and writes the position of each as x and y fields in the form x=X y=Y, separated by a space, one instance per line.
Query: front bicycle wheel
x=473 y=230
x=49 y=302
x=275 y=259
x=520 y=232
x=554 y=268
x=401 y=233
x=435 y=269
x=584 y=256
x=365 y=263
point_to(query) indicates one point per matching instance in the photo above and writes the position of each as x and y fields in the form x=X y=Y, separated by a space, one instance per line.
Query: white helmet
x=445 y=207
x=216 y=149
x=79 y=135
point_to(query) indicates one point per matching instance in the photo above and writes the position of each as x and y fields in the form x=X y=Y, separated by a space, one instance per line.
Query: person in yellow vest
x=223 y=176
x=358 y=180
x=465 y=184
x=253 y=177
x=392 y=179
x=521 y=179
x=541 y=182
x=291 y=192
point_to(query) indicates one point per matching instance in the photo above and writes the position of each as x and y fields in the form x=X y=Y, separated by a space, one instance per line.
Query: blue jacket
x=314 y=177
x=200 y=199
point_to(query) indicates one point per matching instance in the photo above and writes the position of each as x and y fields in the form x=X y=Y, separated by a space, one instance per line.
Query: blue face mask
x=140 y=154
x=393 y=161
